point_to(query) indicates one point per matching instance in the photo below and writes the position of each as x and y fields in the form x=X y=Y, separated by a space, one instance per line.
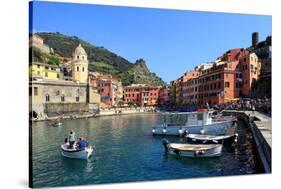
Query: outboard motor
x=165 y=142
x=66 y=140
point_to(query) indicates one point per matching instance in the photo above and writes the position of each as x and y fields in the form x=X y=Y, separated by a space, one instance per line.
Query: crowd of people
x=250 y=104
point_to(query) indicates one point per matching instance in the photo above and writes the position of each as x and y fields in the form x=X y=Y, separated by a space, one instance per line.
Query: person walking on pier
x=71 y=137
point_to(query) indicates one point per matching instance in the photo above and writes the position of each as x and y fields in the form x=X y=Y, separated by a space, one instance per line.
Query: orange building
x=190 y=87
x=164 y=95
x=230 y=77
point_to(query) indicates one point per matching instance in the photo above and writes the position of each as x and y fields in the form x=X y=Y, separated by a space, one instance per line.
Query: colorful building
x=45 y=71
x=230 y=77
x=189 y=87
x=164 y=95
x=110 y=89
x=50 y=94
x=141 y=94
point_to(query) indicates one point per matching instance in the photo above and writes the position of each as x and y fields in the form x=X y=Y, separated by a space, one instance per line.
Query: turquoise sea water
x=126 y=151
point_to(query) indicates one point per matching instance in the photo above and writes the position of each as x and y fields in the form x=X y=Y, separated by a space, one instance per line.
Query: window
x=38 y=72
x=47 y=98
x=38 y=66
x=226 y=84
x=46 y=74
x=35 y=91
x=77 y=98
x=62 y=98
x=30 y=91
x=77 y=68
x=58 y=75
x=83 y=69
x=46 y=67
x=77 y=57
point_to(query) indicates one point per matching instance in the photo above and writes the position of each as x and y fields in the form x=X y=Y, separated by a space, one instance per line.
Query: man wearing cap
x=71 y=137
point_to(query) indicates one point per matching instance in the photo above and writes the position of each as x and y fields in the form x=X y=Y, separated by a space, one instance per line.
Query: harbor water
x=126 y=151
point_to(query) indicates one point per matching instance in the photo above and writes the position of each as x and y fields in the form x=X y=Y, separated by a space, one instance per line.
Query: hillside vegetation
x=102 y=60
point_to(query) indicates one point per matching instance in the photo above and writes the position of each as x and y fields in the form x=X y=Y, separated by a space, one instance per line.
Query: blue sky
x=170 y=41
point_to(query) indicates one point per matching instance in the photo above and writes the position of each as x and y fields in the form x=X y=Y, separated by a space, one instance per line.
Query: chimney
x=255 y=39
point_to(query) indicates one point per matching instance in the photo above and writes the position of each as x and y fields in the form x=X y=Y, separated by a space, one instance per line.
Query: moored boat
x=76 y=153
x=229 y=137
x=57 y=124
x=193 y=150
x=179 y=123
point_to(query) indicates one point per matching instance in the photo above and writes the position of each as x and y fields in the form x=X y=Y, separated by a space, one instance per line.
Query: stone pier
x=261 y=128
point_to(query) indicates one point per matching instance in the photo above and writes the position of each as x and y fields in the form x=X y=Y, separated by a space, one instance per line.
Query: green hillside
x=102 y=60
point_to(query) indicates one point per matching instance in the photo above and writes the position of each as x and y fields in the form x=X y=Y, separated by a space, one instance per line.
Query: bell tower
x=79 y=65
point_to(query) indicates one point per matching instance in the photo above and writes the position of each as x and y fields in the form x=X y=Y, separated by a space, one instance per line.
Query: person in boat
x=82 y=143
x=71 y=138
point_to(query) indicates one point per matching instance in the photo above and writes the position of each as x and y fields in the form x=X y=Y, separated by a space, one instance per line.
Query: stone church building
x=57 y=96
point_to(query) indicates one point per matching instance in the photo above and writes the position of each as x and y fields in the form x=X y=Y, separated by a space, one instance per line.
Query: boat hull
x=210 y=139
x=219 y=128
x=193 y=150
x=76 y=154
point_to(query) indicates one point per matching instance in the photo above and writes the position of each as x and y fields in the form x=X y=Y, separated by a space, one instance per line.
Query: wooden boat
x=193 y=150
x=229 y=137
x=76 y=153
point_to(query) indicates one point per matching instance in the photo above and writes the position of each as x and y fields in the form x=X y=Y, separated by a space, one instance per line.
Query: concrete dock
x=261 y=128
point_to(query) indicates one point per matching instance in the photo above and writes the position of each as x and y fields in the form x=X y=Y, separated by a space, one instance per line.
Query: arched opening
x=33 y=114
x=47 y=97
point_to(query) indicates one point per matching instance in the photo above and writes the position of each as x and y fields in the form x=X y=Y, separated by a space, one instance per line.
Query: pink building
x=110 y=89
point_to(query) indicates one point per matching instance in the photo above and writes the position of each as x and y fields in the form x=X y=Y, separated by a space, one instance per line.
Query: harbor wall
x=260 y=133
x=65 y=107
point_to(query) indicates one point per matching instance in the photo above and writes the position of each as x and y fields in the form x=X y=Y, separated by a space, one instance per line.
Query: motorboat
x=230 y=136
x=76 y=153
x=179 y=123
x=192 y=150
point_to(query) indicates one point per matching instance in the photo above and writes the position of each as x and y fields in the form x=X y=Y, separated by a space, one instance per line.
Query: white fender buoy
x=153 y=130
x=180 y=131
x=202 y=131
x=164 y=130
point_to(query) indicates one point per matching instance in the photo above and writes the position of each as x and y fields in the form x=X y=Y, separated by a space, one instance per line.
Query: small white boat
x=57 y=124
x=83 y=153
x=230 y=136
x=210 y=139
x=193 y=150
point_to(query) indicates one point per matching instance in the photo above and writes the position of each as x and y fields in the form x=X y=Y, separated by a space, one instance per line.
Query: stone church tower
x=79 y=65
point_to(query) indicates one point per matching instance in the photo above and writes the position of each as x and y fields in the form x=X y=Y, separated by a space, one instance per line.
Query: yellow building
x=45 y=71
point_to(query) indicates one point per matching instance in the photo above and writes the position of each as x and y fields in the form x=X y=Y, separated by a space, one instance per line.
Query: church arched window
x=47 y=98
x=77 y=57
x=78 y=68
x=83 y=69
